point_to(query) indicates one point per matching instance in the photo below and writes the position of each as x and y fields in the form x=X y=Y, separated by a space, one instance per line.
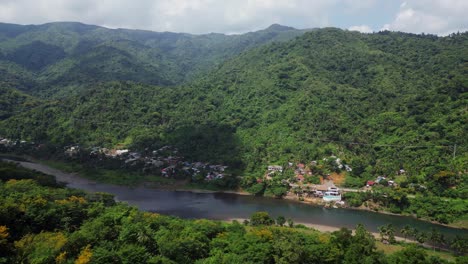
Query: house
x=72 y=151
x=5 y=142
x=321 y=187
x=370 y=183
x=120 y=152
x=379 y=179
x=156 y=163
x=300 y=178
x=274 y=168
x=331 y=196
x=199 y=165
x=133 y=156
x=318 y=194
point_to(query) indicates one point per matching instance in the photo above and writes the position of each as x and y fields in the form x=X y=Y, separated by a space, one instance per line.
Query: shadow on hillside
x=217 y=144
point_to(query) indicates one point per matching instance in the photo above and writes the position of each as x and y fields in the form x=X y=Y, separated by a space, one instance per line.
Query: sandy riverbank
x=324 y=228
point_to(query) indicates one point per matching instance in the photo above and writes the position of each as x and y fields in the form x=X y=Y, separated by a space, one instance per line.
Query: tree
x=362 y=248
x=4 y=247
x=459 y=245
x=435 y=237
x=406 y=231
x=261 y=218
x=85 y=255
x=421 y=238
x=342 y=238
x=382 y=233
x=391 y=233
x=279 y=190
x=387 y=233
x=280 y=220
x=40 y=248
x=290 y=222
x=409 y=255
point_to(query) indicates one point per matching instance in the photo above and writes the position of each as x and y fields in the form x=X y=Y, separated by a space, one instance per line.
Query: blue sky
x=238 y=16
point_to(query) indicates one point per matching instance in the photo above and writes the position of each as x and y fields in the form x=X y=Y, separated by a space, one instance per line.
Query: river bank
x=79 y=181
x=325 y=228
x=319 y=202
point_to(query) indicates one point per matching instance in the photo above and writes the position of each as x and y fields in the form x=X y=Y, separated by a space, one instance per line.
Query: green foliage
x=409 y=255
x=261 y=218
x=118 y=233
x=265 y=106
x=280 y=220
x=13 y=101
x=66 y=57
x=10 y=171
x=383 y=101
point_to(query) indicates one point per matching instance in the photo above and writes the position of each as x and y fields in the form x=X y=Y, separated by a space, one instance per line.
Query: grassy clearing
x=390 y=249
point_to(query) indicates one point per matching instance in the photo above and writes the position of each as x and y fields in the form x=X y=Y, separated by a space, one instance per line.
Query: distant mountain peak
x=278 y=27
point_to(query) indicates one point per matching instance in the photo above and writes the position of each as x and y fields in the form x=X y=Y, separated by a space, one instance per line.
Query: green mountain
x=56 y=56
x=381 y=102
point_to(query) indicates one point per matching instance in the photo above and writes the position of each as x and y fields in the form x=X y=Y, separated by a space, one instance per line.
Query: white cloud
x=361 y=28
x=194 y=16
x=430 y=16
x=234 y=16
x=354 y=6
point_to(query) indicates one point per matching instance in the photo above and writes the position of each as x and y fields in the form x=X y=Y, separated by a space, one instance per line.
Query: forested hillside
x=57 y=59
x=382 y=102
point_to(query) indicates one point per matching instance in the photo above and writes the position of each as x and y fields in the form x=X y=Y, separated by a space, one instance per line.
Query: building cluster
x=5 y=142
x=302 y=188
x=164 y=160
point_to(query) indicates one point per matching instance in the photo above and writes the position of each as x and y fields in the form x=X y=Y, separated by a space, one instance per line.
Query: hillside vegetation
x=57 y=59
x=381 y=102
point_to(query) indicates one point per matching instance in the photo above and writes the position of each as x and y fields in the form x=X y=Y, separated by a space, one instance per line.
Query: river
x=224 y=206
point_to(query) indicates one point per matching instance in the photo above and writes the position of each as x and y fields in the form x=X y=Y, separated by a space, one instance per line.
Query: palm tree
x=391 y=233
x=459 y=245
x=414 y=233
x=434 y=237
x=383 y=232
x=387 y=233
x=406 y=231
x=421 y=238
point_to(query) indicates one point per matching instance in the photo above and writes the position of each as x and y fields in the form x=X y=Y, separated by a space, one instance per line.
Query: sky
x=439 y=17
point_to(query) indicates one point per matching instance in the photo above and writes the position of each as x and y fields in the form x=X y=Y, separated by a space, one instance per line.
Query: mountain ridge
x=56 y=49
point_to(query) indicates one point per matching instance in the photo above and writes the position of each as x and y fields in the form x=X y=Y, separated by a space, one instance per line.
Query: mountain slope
x=380 y=102
x=60 y=54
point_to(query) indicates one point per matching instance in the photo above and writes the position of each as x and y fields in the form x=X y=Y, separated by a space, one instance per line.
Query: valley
x=380 y=103
x=280 y=145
